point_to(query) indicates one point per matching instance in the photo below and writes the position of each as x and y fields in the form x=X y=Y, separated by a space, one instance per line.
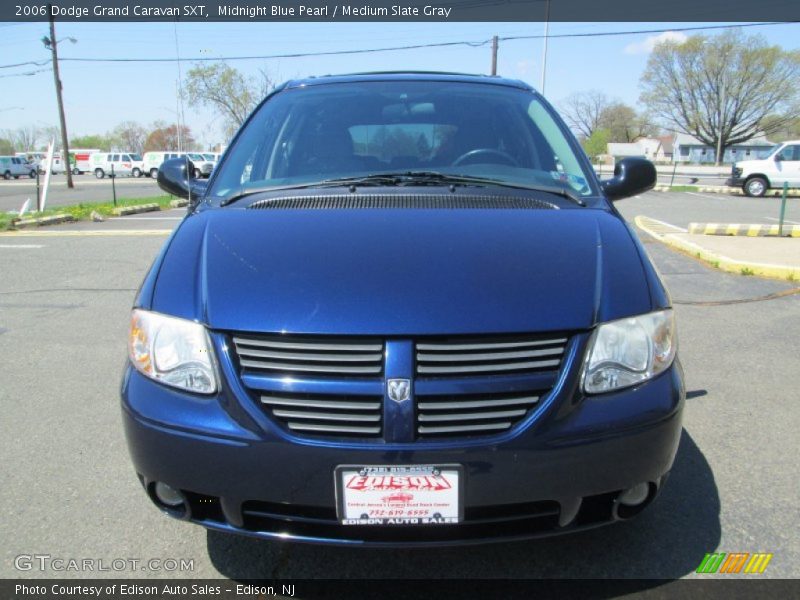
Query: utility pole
x=64 y=145
x=494 y=55
x=544 y=53
x=721 y=123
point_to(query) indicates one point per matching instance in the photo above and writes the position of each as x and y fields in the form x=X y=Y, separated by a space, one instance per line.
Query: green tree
x=227 y=90
x=721 y=89
x=101 y=142
x=6 y=147
x=624 y=124
x=597 y=143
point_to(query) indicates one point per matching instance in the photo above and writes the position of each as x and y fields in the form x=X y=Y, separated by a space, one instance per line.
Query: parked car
x=16 y=167
x=33 y=158
x=780 y=166
x=101 y=164
x=389 y=286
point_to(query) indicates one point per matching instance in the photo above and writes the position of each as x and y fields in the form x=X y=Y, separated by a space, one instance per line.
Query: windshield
x=306 y=135
x=136 y=157
x=194 y=156
x=209 y=157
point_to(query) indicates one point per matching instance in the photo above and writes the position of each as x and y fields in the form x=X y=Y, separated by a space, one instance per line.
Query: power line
x=471 y=44
x=27 y=74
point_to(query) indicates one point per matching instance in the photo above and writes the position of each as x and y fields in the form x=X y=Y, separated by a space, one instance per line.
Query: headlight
x=626 y=352
x=173 y=351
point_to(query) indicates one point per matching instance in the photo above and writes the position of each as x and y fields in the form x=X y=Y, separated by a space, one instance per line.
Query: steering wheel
x=507 y=158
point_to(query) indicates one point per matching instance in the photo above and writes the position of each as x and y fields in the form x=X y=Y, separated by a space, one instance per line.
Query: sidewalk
x=765 y=256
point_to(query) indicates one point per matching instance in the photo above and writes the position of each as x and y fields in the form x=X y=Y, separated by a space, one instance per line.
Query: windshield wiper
x=409 y=178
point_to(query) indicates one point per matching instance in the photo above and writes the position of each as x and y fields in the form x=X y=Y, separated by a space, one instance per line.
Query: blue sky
x=98 y=96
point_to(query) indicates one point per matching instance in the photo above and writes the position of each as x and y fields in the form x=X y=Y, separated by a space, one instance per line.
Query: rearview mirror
x=174 y=177
x=632 y=176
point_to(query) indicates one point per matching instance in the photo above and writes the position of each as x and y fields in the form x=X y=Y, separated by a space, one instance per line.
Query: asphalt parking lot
x=88 y=188
x=70 y=491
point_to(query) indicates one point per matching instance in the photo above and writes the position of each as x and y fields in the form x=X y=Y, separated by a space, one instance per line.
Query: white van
x=16 y=167
x=756 y=177
x=153 y=160
x=80 y=158
x=123 y=163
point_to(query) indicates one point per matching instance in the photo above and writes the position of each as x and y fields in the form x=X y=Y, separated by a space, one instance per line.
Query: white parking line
x=703 y=195
x=785 y=220
x=22 y=246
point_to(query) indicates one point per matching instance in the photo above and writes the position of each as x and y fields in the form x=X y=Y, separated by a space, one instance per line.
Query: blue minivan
x=403 y=311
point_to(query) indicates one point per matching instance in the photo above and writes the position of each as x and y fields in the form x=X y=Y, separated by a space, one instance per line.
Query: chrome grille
x=347 y=416
x=471 y=415
x=482 y=357
x=341 y=357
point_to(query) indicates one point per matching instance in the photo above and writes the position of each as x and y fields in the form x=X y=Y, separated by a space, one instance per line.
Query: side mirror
x=778 y=157
x=632 y=176
x=174 y=177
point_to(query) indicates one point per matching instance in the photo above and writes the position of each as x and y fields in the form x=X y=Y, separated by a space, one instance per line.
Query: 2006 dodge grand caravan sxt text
x=403 y=311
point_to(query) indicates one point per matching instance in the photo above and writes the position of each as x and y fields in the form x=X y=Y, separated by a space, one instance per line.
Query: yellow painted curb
x=718 y=261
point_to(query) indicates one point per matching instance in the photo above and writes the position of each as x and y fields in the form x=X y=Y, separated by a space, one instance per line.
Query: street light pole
x=57 y=78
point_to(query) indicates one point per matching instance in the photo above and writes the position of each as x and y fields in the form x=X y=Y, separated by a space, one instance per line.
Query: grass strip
x=83 y=211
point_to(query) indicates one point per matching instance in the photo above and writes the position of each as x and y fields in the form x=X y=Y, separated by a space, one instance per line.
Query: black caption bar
x=403 y=10
x=384 y=589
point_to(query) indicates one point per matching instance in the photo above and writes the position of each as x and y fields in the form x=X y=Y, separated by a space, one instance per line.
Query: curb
x=51 y=220
x=132 y=210
x=179 y=203
x=743 y=230
x=732 y=191
x=729 y=265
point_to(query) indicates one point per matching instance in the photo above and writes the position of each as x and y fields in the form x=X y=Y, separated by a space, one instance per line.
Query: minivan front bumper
x=563 y=471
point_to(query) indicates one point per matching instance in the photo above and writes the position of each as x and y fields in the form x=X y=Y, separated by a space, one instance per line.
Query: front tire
x=154 y=173
x=7 y=175
x=136 y=173
x=99 y=173
x=756 y=187
x=75 y=171
x=32 y=174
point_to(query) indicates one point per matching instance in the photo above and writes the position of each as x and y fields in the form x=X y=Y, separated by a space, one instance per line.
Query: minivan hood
x=402 y=271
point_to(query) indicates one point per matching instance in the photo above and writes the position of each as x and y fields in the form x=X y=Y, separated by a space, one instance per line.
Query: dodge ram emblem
x=399 y=389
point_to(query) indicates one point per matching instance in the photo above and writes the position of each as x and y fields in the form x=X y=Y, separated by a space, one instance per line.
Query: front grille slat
x=309 y=346
x=491 y=346
x=474 y=386
x=470 y=357
x=488 y=368
x=289 y=356
x=328 y=414
x=476 y=403
x=333 y=428
x=295 y=414
x=278 y=366
x=342 y=405
x=356 y=357
x=456 y=414
x=425 y=429
x=504 y=414
x=451 y=357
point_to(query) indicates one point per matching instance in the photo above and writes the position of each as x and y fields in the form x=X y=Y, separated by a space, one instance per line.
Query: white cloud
x=646 y=47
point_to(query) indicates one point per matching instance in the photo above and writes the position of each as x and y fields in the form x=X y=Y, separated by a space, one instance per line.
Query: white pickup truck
x=782 y=165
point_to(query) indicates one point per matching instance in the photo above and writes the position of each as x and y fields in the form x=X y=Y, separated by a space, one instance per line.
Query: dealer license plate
x=399 y=495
